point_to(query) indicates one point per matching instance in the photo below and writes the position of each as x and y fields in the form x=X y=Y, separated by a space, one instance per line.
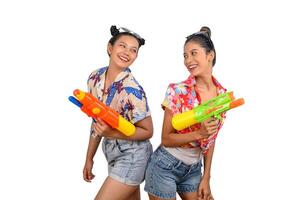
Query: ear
x=109 y=48
x=211 y=56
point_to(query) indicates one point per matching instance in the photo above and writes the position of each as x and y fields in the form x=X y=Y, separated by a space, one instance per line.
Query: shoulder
x=96 y=75
x=180 y=88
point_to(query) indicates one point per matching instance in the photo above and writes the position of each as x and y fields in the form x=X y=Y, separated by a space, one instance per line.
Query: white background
x=48 y=48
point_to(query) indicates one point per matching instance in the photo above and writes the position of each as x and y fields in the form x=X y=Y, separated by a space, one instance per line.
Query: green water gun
x=211 y=108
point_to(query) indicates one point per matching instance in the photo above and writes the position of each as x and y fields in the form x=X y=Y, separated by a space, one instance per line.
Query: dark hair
x=203 y=39
x=116 y=34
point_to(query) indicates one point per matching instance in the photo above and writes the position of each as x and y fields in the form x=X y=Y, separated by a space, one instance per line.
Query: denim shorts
x=127 y=159
x=166 y=175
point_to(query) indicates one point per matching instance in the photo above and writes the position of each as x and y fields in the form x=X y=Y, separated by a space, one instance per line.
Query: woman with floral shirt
x=176 y=165
x=116 y=87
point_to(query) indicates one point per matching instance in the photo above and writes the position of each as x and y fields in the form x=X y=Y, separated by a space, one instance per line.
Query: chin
x=123 y=66
x=193 y=73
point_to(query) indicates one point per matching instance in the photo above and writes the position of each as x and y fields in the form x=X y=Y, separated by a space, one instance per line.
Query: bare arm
x=92 y=148
x=207 y=162
x=204 y=191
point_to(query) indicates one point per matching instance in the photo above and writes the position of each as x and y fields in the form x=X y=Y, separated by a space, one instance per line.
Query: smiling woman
x=115 y=86
x=176 y=165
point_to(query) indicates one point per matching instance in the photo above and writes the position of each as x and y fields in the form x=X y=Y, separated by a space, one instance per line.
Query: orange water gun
x=94 y=108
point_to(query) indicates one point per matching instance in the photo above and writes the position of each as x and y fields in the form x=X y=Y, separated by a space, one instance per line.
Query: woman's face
x=196 y=59
x=124 y=52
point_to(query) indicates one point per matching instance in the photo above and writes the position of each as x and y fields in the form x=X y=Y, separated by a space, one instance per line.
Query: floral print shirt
x=125 y=95
x=181 y=97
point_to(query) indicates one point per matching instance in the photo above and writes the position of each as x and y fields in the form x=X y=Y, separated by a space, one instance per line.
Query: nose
x=187 y=60
x=127 y=51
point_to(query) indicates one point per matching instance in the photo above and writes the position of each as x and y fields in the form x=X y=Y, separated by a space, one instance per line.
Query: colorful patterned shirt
x=181 y=97
x=125 y=95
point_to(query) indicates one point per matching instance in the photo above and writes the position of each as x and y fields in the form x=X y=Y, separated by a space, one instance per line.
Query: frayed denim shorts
x=166 y=175
x=127 y=159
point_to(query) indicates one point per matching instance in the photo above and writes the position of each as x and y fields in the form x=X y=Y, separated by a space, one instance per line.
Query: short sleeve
x=171 y=101
x=134 y=106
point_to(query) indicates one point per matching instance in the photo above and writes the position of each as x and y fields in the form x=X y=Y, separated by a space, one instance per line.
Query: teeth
x=123 y=58
x=192 y=66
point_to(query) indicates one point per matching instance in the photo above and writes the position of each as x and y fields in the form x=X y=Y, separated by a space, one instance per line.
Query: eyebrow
x=191 y=50
x=132 y=47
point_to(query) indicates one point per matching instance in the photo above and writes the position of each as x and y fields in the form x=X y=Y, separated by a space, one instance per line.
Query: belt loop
x=178 y=164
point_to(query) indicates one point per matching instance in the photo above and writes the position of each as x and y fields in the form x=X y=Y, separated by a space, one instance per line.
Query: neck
x=204 y=83
x=112 y=73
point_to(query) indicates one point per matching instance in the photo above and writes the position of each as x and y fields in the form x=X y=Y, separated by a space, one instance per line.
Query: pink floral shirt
x=181 y=97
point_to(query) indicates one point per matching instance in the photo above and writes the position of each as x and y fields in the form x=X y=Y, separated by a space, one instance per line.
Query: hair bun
x=114 y=30
x=142 y=41
x=206 y=30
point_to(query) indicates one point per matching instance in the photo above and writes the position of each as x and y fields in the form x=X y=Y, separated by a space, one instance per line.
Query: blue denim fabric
x=166 y=175
x=127 y=160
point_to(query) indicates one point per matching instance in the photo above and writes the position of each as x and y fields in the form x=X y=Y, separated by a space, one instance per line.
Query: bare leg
x=114 y=190
x=135 y=195
x=189 y=196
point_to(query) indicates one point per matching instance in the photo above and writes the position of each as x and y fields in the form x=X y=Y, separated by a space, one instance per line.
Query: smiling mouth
x=192 y=66
x=123 y=58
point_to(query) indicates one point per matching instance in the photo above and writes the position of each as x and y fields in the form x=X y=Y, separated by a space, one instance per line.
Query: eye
x=134 y=50
x=193 y=53
x=122 y=45
x=185 y=56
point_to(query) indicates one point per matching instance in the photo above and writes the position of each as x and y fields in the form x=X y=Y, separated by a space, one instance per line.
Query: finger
x=95 y=126
x=210 y=197
x=98 y=128
x=85 y=175
x=91 y=176
x=213 y=122
x=99 y=120
x=212 y=126
x=210 y=130
x=200 y=195
x=213 y=130
x=212 y=119
x=206 y=196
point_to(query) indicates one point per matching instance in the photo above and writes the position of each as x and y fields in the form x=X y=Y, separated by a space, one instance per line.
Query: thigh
x=135 y=195
x=189 y=196
x=114 y=190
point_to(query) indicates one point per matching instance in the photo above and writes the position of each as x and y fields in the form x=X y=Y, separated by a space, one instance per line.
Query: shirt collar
x=190 y=82
x=119 y=77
